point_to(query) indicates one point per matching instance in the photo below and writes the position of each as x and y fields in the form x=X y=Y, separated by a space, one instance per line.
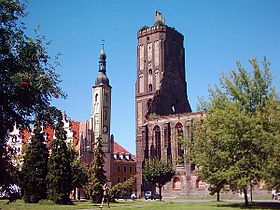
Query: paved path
x=211 y=200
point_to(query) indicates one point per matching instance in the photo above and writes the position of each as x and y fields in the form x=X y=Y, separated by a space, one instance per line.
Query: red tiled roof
x=75 y=128
x=119 y=149
x=49 y=132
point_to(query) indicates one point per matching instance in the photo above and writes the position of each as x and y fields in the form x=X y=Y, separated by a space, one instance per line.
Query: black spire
x=102 y=78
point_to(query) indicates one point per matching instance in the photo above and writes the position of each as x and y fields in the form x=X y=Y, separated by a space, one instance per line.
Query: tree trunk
x=160 y=192
x=218 y=196
x=245 y=196
x=251 y=193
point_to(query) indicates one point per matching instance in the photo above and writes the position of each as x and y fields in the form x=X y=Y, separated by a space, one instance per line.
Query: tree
x=272 y=168
x=78 y=170
x=96 y=174
x=123 y=188
x=158 y=172
x=35 y=168
x=28 y=80
x=232 y=146
x=209 y=159
x=59 y=168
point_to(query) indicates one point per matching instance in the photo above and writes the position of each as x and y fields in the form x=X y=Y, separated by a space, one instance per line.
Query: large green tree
x=28 y=80
x=231 y=145
x=158 y=172
x=35 y=168
x=59 y=167
x=96 y=174
x=78 y=169
x=272 y=123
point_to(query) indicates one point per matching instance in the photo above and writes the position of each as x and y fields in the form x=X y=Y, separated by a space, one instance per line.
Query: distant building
x=124 y=165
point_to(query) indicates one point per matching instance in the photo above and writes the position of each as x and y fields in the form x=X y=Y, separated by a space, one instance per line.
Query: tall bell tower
x=161 y=88
x=101 y=111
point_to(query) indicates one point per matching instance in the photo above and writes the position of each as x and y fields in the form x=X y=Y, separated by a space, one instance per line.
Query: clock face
x=105 y=129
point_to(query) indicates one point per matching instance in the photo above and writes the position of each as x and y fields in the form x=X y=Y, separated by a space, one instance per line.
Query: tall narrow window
x=105 y=115
x=157 y=138
x=106 y=97
x=150 y=87
x=180 y=143
x=141 y=83
x=96 y=96
x=150 y=71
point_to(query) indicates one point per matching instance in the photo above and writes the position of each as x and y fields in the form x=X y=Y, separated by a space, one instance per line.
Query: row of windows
x=153 y=148
x=119 y=179
x=125 y=169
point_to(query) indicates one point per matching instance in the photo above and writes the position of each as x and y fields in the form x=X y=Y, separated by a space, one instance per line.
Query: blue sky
x=217 y=34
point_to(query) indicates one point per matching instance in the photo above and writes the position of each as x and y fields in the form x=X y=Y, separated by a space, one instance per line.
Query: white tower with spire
x=101 y=110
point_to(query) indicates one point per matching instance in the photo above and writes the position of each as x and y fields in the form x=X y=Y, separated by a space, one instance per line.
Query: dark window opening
x=96 y=96
x=148 y=38
x=105 y=115
x=192 y=167
x=150 y=71
x=158 y=142
x=150 y=87
x=124 y=169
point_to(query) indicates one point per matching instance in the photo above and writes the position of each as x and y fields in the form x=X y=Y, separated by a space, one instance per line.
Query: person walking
x=105 y=195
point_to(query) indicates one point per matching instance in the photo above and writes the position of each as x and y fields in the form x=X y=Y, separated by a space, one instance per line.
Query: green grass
x=143 y=205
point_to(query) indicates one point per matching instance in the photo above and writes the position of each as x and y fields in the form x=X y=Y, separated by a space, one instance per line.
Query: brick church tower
x=161 y=88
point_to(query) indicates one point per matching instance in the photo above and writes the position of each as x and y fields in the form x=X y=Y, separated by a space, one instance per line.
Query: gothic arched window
x=105 y=115
x=180 y=142
x=177 y=185
x=157 y=138
x=150 y=87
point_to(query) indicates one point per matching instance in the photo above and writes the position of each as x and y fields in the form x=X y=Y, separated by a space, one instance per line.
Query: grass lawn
x=143 y=205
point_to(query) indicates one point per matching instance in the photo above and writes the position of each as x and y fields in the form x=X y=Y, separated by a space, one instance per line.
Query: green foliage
x=34 y=168
x=96 y=174
x=144 y=27
x=158 y=172
x=272 y=167
x=59 y=166
x=231 y=144
x=159 y=23
x=28 y=80
x=153 y=116
x=124 y=188
x=78 y=170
